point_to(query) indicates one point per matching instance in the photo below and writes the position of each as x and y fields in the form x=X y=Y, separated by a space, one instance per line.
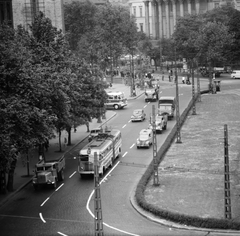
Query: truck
x=166 y=106
x=48 y=172
x=151 y=95
x=161 y=123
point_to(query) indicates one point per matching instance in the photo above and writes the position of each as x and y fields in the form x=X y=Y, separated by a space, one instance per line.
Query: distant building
x=157 y=18
x=22 y=12
x=96 y=2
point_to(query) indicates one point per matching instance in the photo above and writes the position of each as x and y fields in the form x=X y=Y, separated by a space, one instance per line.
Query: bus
x=108 y=147
x=116 y=100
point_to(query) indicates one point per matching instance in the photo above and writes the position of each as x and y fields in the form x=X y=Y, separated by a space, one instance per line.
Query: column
x=160 y=19
x=147 y=29
x=153 y=5
x=174 y=12
x=197 y=6
x=189 y=7
x=181 y=8
x=167 y=19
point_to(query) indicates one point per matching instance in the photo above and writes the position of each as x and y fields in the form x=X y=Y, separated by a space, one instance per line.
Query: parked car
x=138 y=115
x=94 y=133
x=235 y=74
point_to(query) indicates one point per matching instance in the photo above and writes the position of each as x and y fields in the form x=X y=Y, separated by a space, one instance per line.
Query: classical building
x=157 y=18
x=22 y=12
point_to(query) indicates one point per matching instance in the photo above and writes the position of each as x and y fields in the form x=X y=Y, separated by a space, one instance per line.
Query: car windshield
x=137 y=112
x=144 y=136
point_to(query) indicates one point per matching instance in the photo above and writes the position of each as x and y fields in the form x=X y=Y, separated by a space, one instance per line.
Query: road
x=68 y=209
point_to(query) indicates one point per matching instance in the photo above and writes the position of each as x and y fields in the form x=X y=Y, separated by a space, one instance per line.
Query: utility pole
x=198 y=84
x=155 y=165
x=193 y=92
x=98 y=220
x=177 y=104
x=227 y=197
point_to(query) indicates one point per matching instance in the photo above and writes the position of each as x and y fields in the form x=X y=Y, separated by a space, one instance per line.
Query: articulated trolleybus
x=107 y=145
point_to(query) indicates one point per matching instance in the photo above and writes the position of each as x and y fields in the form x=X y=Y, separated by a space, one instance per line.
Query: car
x=138 y=115
x=235 y=74
x=94 y=133
x=145 y=138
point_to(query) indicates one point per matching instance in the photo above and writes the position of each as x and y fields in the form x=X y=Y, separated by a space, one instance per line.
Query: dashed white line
x=124 y=154
x=123 y=126
x=45 y=201
x=145 y=106
x=62 y=234
x=59 y=187
x=129 y=121
x=132 y=145
x=41 y=217
x=72 y=174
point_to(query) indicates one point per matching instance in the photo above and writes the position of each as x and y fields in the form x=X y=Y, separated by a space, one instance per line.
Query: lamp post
x=193 y=92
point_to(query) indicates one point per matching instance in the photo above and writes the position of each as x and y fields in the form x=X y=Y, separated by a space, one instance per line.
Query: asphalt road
x=68 y=209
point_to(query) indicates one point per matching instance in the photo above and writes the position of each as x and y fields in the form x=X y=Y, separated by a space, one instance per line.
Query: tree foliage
x=44 y=88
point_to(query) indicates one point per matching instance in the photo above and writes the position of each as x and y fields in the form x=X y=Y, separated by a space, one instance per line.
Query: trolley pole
x=155 y=165
x=98 y=220
x=227 y=197
x=193 y=92
x=177 y=109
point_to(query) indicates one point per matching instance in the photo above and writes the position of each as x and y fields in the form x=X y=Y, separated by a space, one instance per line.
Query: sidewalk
x=23 y=176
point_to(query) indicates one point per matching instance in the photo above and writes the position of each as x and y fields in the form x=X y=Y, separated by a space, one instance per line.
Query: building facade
x=157 y=18
x=22 y=12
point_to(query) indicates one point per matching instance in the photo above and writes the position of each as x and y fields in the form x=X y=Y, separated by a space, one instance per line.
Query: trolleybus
x=107 y=145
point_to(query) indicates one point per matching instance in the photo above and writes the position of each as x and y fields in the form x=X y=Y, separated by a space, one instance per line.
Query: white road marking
x=62 y=234
x=91 y=213
x=59 y=187
x=129 y=121
x=180 y=94
x=41 y=217
x=145 y=106
x=123 y=126
x=132 y=145
x=124 y=154
x=160 y=92
x=72 y=174
x=45 y=201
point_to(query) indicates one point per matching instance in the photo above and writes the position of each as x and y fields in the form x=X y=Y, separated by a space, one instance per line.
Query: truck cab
x=166 y=105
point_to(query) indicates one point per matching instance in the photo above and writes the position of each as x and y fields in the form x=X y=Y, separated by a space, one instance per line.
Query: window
x=141 y=27
x=6 y=12
x=134 y=11
x=140 y=9
x=216 y=4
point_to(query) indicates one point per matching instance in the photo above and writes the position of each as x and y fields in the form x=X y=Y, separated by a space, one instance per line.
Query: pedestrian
x=46 y=144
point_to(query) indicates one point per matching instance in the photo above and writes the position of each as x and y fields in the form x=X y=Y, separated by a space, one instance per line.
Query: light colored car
x=145 y=138
x=235 y=74
x=138 y=115
x=94 y=133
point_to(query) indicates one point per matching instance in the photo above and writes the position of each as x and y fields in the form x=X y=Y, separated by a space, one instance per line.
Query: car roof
x=167 y=97
x=145 y=131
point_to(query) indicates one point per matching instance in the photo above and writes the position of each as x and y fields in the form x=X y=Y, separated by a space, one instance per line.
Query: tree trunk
x=69 y=136
x=11 y=175
x=3 y=188
x=59 y=140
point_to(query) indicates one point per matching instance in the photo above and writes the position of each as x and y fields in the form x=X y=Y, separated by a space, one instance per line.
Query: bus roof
x=100 y=142
x=167 y=98
x=114 y=92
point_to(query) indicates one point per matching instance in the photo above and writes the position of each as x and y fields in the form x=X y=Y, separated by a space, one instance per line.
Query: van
x=235 y=74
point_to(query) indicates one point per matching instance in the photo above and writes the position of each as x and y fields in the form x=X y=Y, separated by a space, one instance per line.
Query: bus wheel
x=116 y=107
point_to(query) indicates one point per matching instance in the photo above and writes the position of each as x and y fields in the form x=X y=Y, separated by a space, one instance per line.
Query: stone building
x=157 y=18
x=22 y=12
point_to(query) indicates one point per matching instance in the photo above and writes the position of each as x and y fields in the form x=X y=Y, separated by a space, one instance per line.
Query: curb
x=30 y=180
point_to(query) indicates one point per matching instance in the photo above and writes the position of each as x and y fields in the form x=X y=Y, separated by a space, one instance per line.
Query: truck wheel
x=55 y=184
x=35 y=187
x=116 y=107
x=165 y=127
x=61 y=175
